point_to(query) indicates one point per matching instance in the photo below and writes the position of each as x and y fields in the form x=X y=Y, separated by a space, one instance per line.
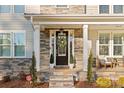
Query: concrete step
x=62 y=73
x=61 y=78
x=61 y=84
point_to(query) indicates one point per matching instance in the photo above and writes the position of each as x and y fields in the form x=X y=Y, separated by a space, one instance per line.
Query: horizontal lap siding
x=13 y=22
x=92 y=9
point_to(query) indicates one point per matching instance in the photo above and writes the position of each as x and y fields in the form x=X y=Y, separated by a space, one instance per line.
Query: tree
x=89 y=68
x=33 y=69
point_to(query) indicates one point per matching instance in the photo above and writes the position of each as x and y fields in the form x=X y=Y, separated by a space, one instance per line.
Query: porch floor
x=113 y=73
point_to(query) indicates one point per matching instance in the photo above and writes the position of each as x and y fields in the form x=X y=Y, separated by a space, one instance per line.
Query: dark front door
x=61 y=48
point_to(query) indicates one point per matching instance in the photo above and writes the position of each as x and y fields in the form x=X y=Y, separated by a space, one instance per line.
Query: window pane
x=104 y=38
x=19 y=8
x=118 y=9
x=4 y=50
x=19 y=41
x=5 y=8
x=104 y=9
x=19 y=38
x=104 y=50
x=5 y=38
x=117 y=50
x=118 y=38
x=19 y=50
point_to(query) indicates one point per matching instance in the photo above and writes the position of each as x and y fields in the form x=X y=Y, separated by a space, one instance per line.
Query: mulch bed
x=84 y=84
x=22 y=84
x=25 y=84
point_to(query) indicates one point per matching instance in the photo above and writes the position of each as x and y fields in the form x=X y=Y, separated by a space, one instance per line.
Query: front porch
x=81 y=38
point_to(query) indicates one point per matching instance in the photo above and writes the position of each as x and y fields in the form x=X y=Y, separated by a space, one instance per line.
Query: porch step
x=59 y=79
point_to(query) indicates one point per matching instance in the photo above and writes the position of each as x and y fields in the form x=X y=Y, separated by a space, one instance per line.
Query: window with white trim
x=19 y=44
x=117 y=44
x=104 y=43
x=118 y=9
x=12 y=8
x=103 y=9
x=12 y=44
x=5 y=44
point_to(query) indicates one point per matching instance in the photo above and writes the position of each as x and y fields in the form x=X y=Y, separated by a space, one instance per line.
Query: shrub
x=120 y=82
x=22 y=75
x=33 y=69
x=6 y=78
x=89 y=68
x=104 y=82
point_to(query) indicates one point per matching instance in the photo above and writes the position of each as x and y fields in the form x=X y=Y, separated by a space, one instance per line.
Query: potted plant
x=71 y=61
x=51 y=61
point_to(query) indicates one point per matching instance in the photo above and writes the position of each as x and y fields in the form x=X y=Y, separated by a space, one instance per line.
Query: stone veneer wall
x=52 y=9
x=44 y=50
x=13 y=66
x=78 y=47
x=78 y=50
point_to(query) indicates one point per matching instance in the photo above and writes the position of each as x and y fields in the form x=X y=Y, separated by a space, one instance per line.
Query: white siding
x=92 y=9
x=16 y=22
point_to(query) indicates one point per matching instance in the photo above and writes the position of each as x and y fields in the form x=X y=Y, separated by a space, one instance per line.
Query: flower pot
x=71 y=66
x=51 y=65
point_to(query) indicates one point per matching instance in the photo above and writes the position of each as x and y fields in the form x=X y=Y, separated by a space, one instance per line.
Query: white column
x=97 y=47
x=37 y=46
x=85 y=47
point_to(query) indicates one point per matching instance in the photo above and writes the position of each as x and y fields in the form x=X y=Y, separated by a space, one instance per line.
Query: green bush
x=6 y=78
x=89 y=68
x=33 y=69
x=103 y=82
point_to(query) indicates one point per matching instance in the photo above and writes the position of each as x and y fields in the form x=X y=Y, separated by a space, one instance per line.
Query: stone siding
x=44 y=50
x=78 y=51
x=72 y=9
x=13 y=66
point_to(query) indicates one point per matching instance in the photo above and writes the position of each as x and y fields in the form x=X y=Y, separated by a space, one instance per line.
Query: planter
x=71 y=66
x=51 y=65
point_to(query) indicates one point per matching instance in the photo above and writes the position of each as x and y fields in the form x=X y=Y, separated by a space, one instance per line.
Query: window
x=5 y=44
x=19 y=8
x=118 y=9
x=12 y=44
x=111 y=41
x=19 y=44
x=104 y=9
x=5 y=8
x=104 y=43
x=118 y=44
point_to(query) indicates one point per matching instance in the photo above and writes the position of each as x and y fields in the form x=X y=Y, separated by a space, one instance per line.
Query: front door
x=61 y=48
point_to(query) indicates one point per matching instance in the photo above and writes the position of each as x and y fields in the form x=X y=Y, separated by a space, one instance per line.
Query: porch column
x=37 y=46
x=85 y=47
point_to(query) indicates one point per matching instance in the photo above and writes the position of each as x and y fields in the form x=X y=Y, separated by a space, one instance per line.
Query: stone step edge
x=60 y=87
